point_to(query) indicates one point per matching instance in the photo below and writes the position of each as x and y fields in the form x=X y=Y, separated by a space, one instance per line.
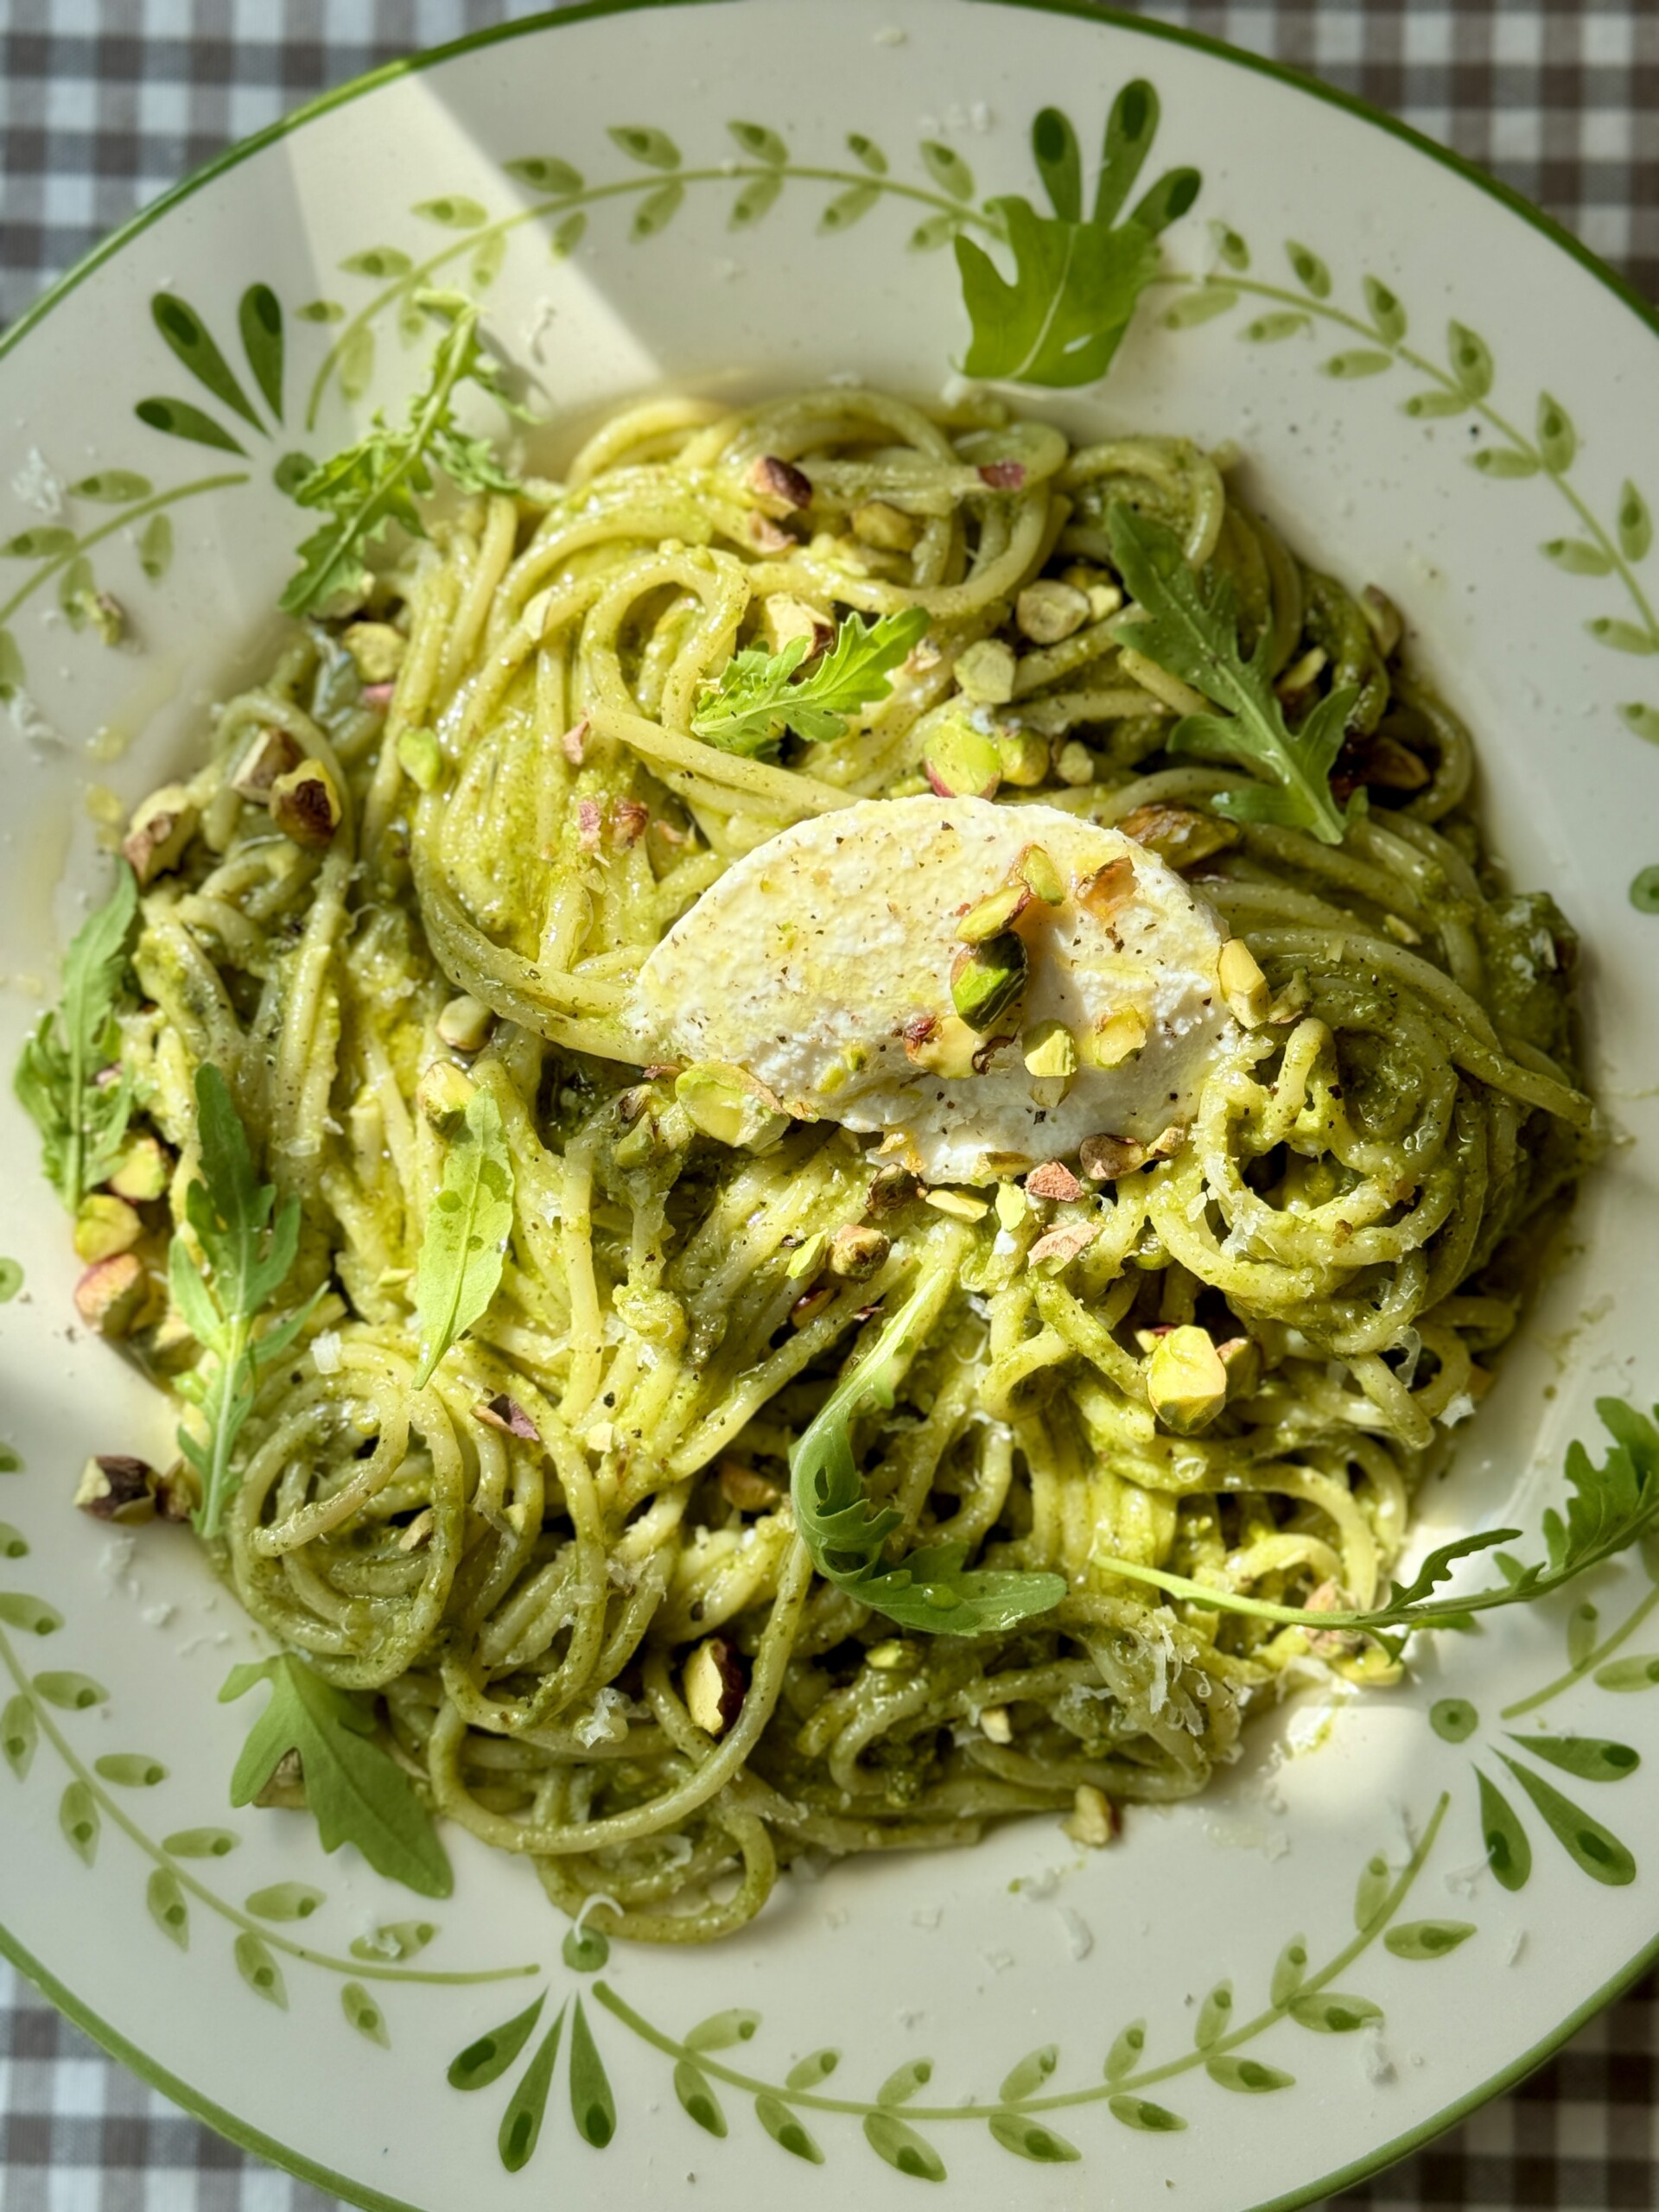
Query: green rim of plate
x=149 y=2070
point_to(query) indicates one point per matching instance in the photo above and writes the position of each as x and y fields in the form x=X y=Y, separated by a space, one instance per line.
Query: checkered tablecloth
x=103 y=102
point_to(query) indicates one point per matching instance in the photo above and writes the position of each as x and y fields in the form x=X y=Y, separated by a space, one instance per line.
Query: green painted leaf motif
x=1311 y=272
x=20 y=1733
x=1372 y=1893
x=1577 y=555
x=11 y=1282
x=753 y=201
x=698 y=2099
x=355 y=367
x=321 y=311
x=1427 y=1939
x=592 y=2105
x=947 y=169
x=866 y=150
x=1635 y=524
x=759 y=144
x=1288 y=1970
x=931 y=234
x=569 y=235
x=1623 y=636
x=1059 y=164
x=1268 y=329
x=11 y=1461
x=364 y=2015
x=1215 y=2016
x=177 y=418
x=189 y=338
x=1557 y=441
x=412 y=325
x=1454 y=1718
x=1202 y=305
x=1591 y=1758
x=156 y=547
x=1248 y=2076
x=78 y=1818
x=130 y=1770
x=1141 y=2112
x=850 y=206
x=1387 y=313
x=585 y=1950
x=1028 y=2077
x=13 y=673
x=897 y=2141
x=1502 y=460
x=721 y=2031
x=378 y=261
x=400 y=1939
x=656 y=210
x=817 y=2066
x=785 y=2130
x=284 y=1901
x=1125 y=2053
x=1508 y=1851
x=655 y=148
x=201 y=1843
x=1429 y=406
x=167 y=1907
x=521 y=2123
x=1592 y=1846
x=452 y=211
x=1472 y=362
x=75 y=584
x=260 y=1970
x=113 y=487
x=1172 y=196
x=903 y=2081
x=1644 y=897
x=1362 y=361
x=32 y=1615
x=259 y=319
x=291 y=471
x=1329 y=2013
x=547 y=173
x=1642 y=1672
x=47 y=542
x=488 y=2058
x=487 y=262
x=1130 y=128
x=1029 y=2139
x=1231 y=248
x=13 y=1543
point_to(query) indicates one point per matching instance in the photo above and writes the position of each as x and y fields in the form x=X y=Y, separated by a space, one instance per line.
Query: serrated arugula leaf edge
x=757 y=695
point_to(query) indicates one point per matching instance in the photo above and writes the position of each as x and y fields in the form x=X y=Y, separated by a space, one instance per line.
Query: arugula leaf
x=1193 y=634
x=249 y=1254
x=1611 y=1507
x=83 y=1123
x=931 y=1589
x=461 y=1253
x=358 y=1792
x=376 y=482
x=756 y=696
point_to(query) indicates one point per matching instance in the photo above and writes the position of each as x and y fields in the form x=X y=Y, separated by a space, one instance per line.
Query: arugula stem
x=219 y=1413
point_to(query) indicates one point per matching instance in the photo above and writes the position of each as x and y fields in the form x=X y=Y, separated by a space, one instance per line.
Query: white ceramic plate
x=1253 y=1997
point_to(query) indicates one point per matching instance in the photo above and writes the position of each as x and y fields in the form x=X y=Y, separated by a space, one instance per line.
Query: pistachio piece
x=786 y=488
x=804 y=1261
x=272 y=753
x=728 y=1105
x=942 y=1047
x=1010 y=1203
x=1057 y=1248
x=985 y=672
x=1302 y=673
x=994 y=914
x=1050 y=1051
x=1242 y=984
x=1024 y=756
x=1048 y=610
x=1388 y=766
x=1382 y=618
x=1240 y=1357
x=995 y=1725
x=886 y=527
x=421 y=757
x=1037 y=871
x=465 y=1024
x=506 y=1415
x=443 y=1093
x=1053 y=1179
x=1186 y=1381
x=856 y=1252
x=749 y=1492
x=305 y=806
x=1109 y=890
x=960 y=1206
x=895 y=1656
x=959 y=760
x=111 y=1295
x=143 y=1171
x=1178 y=834
x=377 y=649
x=987 y=979
x=1104 y=1159
x=811 y=1303
x=1092 y=1821
x=178 y=1493
x=1114 y=1037
x=114 y=1487
x=160 y=830
x=892 y=1188
x=105 y=1225
x=714 y=1686
x=1074 y=764
x=782 y=620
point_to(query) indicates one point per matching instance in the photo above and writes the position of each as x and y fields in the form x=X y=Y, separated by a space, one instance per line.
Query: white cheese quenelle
x=830 y=964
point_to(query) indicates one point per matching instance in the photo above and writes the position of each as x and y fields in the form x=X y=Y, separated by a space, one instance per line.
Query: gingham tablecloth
x=102 y=104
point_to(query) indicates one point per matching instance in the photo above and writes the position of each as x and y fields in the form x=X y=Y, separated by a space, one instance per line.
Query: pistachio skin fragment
x=1186 y=1380
x=1053 y=1179
x=988 y=979
x=161 y=830
x=714 y=1686
x=305 y=806
x=784 y=488
x=730 y=1106
x=114 y=1487
x=112 y=1293
x=273 y=753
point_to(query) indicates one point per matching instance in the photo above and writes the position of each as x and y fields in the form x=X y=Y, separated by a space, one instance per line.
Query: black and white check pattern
x=104 y=104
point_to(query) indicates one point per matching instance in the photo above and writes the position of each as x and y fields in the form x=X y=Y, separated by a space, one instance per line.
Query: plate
x=1391 y=1907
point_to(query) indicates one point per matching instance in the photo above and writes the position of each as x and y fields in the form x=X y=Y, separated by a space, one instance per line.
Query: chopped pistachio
x=895 y=1656
x=112 y=1293
x=143 y=1171
x=422 y=758
x=1240 y=1357
x=1302 y=673
x=995 y=1726
x=782 y=620
x=105 y=1225
x=1104 y=1159
x=1024 y=755
x=985 y=672
x=305 y=806
x=1091 y=1822
x=1114 y=1037
x=959 y=1205
x=1383 y=618
x=739 y=1485
x=811 y=1303
x=945 y=1046
x=114 y=1487
x=1242 y=984
x=600 y=1437
x=160 y=830
x=1047 y=611
x=465 y=1024
x=888 y=527
x=994 y=914
x=1036 y=870
x=1050 y=1051
x=1057 y=1248
x=1292 y=1002
x=728 y=1104
x=1053 y=1179
x=507 y=1415
x=1187 y=1381
x=443 y=1093
x=1390 y=766
x=803 y=1261
x=1178 y=834
x=377 y=649
x=272 y=753
x=987 y=979
x=892 y=1187
x=1400 y=930
x=856 y=1252
x=1011 y=1206
x=1074 y=763
x=1109 y=890
x=959 y=760
x=714 y=1686
x=786 y=488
